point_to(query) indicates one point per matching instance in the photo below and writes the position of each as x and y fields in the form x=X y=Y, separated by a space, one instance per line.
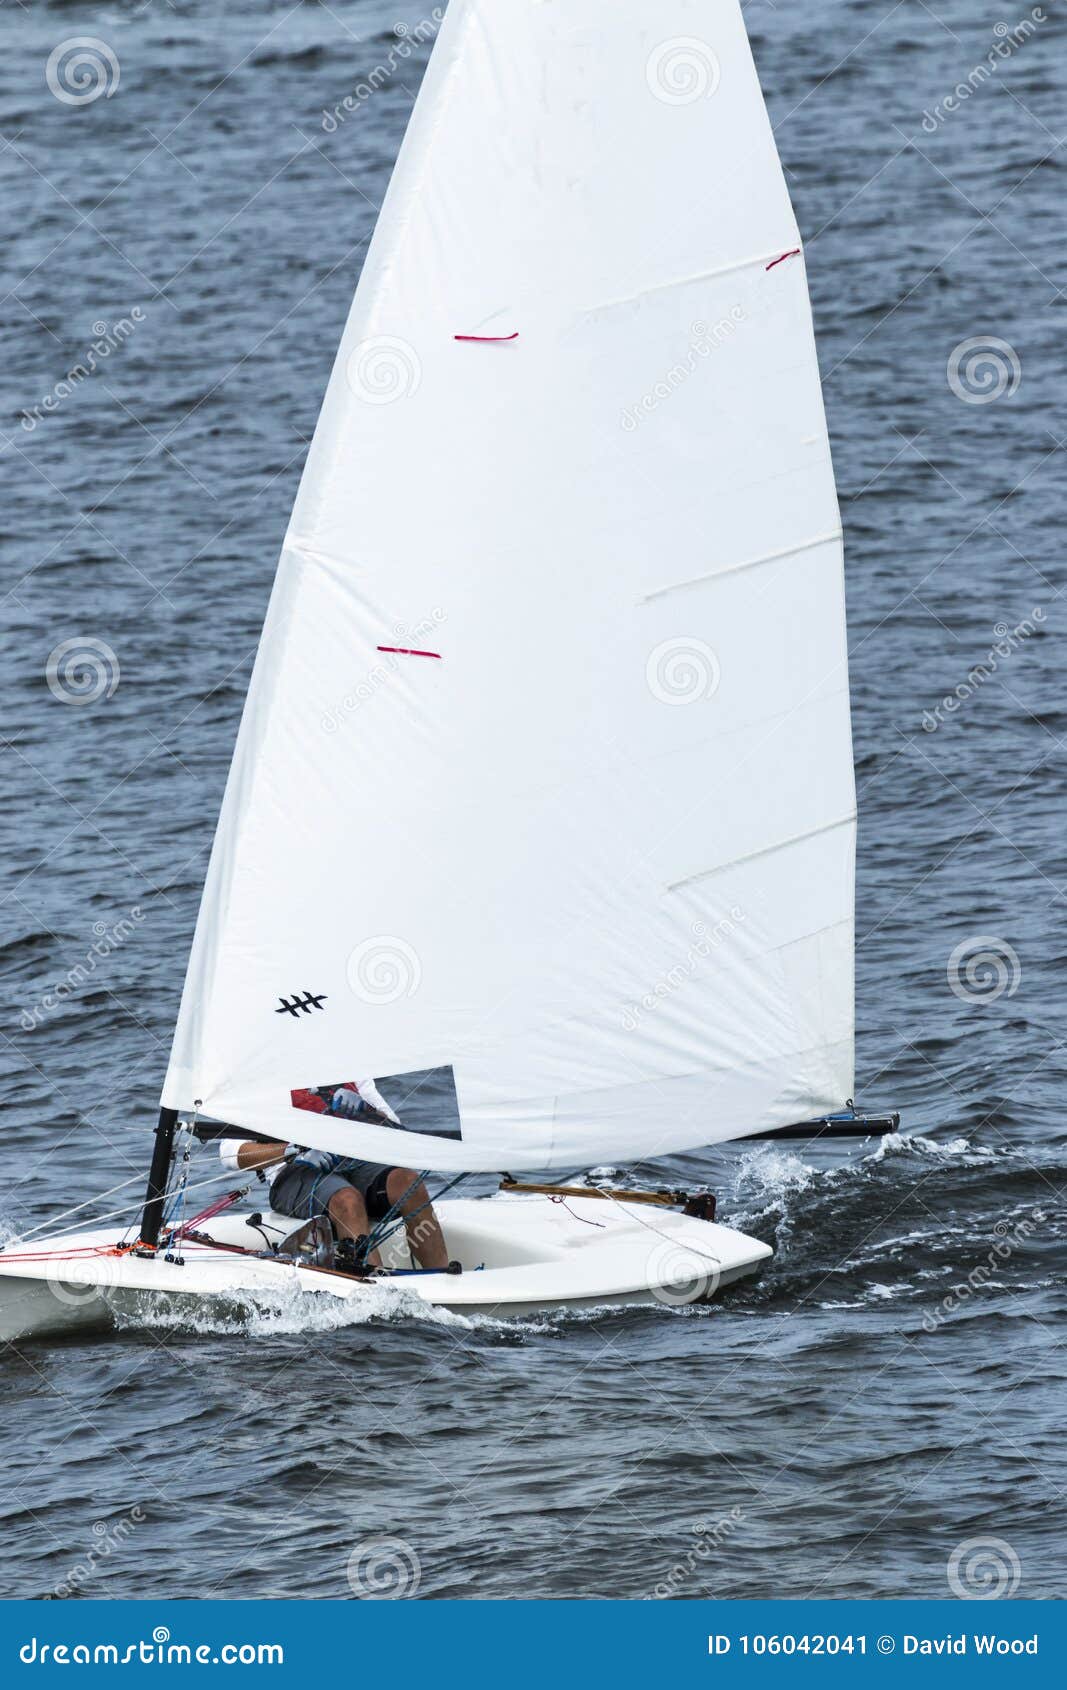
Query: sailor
x=353 y=1194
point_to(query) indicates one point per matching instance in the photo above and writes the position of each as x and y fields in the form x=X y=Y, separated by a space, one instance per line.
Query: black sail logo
x=297 y=1005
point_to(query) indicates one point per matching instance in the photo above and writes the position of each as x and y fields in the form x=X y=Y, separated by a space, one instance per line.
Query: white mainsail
x=544 y=784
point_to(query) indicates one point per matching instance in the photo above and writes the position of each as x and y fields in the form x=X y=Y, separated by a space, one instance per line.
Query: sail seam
x=749 y=563
x=766 y=851
x=687 y=281
x=572 y=1099
x=813 y=933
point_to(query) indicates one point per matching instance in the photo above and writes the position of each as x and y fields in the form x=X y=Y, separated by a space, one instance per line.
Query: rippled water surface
x=892 y=1388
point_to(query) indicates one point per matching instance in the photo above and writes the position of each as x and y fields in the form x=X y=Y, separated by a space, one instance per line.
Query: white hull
x=520 y=1255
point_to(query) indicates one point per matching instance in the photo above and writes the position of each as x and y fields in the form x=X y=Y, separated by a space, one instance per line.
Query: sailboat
x=542 y=809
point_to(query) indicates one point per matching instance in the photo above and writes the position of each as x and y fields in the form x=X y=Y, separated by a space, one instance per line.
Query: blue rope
x=342 y=1165
x=378 y=1237
x=176 y=1206
x=376 y=1233
x=393 y=1219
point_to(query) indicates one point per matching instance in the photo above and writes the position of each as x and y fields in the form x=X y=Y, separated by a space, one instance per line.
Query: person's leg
x=307 y=1194
x=348 y=1211
x=423 y=1229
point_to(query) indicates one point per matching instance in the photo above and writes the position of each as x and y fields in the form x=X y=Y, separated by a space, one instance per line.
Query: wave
x=286 y=1312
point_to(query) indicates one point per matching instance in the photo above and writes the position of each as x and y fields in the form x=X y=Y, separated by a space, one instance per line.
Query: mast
x=152 y=1216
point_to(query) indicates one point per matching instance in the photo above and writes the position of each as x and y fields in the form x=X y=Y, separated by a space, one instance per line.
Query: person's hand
x=346 y=1102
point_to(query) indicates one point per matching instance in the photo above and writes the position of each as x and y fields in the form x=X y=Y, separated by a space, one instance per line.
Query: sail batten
x=774 y=253
x=767 y=850
x=579 y=889
x=746 y=563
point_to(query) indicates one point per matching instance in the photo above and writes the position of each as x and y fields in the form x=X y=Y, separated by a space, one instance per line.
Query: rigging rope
x=379 y=1231
x=197 y=1185
x=138 y=1179
x=213 y=1209
x=586 y=1222
x=176 y=1205
x=679 y=1243
x=377 y=1237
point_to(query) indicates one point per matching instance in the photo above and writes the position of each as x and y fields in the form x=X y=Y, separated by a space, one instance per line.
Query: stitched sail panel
x=502 y=804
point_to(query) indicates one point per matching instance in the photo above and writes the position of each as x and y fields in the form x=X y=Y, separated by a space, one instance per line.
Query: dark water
x=889 y=1390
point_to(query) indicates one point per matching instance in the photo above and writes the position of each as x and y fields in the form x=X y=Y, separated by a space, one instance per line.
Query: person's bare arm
x=253 y=1155
x=246 y=1155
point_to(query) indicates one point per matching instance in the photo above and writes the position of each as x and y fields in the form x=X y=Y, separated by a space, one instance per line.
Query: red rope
x=80 y=1250
x=406 y=651
x=215 y=1208
x=487 y=339
x=794 y=254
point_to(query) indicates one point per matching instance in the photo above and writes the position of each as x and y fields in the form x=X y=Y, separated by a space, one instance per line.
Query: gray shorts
x=305 y=1192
